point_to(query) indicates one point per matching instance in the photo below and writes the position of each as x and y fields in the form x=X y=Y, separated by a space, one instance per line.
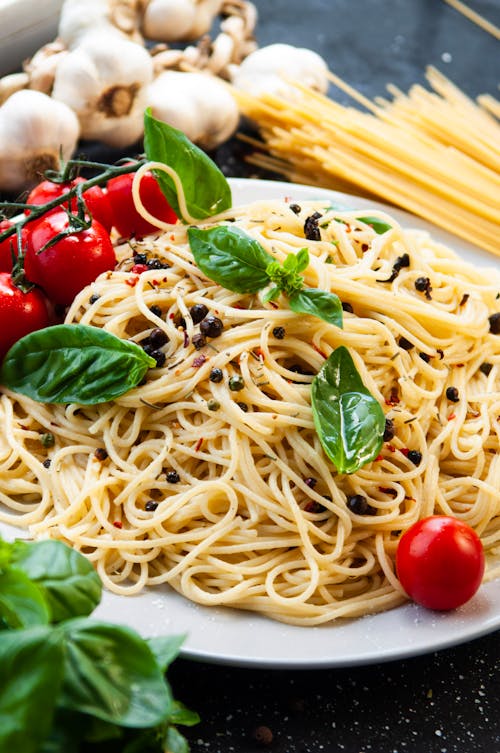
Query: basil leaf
x=319 y=303
x=302 y=260
x=229 y=257
x=206 y=190
x=349 y=421
x=165 y=648
x=182 y=715
x=68 y=580
x=73 y=363
x=174 y=742
x=378 y=225
x=31 y=664
x=111 y=673
x=22 y=604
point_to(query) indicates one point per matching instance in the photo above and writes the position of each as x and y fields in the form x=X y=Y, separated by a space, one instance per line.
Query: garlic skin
x=104 y=81
x=179 y=20
x=198 y=104
x=35 y=133
x=264 y=70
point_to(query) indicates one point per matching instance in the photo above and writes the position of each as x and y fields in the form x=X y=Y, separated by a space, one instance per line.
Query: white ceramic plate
x=233 y=637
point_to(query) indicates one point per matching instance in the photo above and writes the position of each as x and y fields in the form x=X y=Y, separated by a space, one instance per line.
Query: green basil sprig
x=380 y=226
x=229 y=257
x=74 y=363
x=206 y=190
x=67 y=680
x=349 y=421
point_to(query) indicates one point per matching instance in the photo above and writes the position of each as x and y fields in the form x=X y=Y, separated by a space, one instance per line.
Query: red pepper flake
x=393 y=398
x=379 y=458
x=171 y=316
x=132 y=281
x=198 y=444
x=199 y=361
x=172 y=237
x=117 y=524
x=314 y=507
x=273 y=305
x=452 y=416
x=460 y=365
x=258 y=352
x=138 y=269
x=318 y=350
x=391 y=448
x=405 y=451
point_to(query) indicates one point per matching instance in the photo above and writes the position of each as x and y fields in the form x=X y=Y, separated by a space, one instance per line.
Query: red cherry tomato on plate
x=20 y=313
x=126 y=218
x=96 y=200
x=65 y=268
x=440 y=562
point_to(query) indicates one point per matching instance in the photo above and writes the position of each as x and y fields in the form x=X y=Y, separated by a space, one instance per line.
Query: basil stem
x=349 y=421
x=206 y=190
x=73 y=363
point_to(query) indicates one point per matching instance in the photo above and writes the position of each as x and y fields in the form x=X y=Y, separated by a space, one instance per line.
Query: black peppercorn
x=347 y=307
x=213 y=404
x=173 y=477
x=198 y=341
x=179 y=321
x=157 y=337
x=47 y=439
x=140 y=258
x=279 y=333
x=46 y=463
x=311 y=229
x=236 y=383
x=216 y=375
x=425 y=357
x=359 y=505
x=295 y=208
x=494 y=321
x=242 y=406
x=150 y=505
x=93 y=298
x=156 y=310
x=198 y=312
x=310 y=482
x=155 y=264
x=422 y=284
x=415 y=457
x=211 y=326
x=100 y=453
x=159 y=357
x=452 y=394
x=389 y=430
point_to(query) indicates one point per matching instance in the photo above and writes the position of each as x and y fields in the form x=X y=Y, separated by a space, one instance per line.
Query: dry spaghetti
x=210 y=477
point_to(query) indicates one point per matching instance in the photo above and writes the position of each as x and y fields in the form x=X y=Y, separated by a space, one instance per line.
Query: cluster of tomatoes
x=59 y=263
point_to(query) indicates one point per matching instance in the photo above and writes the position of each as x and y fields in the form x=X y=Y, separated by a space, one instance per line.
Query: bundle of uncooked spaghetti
x=435 y=153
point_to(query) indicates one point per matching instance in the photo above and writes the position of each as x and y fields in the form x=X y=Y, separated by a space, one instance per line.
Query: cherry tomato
x=126 y=218
x=96 y=200
x=6 y=247
x=73 y=262
x=20 y=313
x=440 y=562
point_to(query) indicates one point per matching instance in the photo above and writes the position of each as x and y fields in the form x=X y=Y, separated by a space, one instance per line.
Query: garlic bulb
x=81 y=17
x=35 y=133
x=104 y=81
x=198 y=104
x=264 y=71
x=12 y=83
x=177 y=20
x=41 y=68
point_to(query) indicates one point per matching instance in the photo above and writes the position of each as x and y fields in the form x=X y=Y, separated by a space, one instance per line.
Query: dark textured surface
x=440 y=703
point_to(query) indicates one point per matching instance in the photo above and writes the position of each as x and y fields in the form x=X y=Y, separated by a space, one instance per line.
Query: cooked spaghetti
x=210 y=477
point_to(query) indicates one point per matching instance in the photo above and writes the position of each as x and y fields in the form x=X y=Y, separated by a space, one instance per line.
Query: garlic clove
x=36 y=133
x=179 y=20
x=265 y=70
x=198 y=104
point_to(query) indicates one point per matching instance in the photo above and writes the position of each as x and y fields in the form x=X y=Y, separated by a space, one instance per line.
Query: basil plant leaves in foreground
x=231 y=258
x=349 y=421
x=74 y=363
x=68 y=681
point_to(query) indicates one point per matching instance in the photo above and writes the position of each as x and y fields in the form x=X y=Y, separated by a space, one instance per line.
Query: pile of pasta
x=433 y=152
x=227 y=495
